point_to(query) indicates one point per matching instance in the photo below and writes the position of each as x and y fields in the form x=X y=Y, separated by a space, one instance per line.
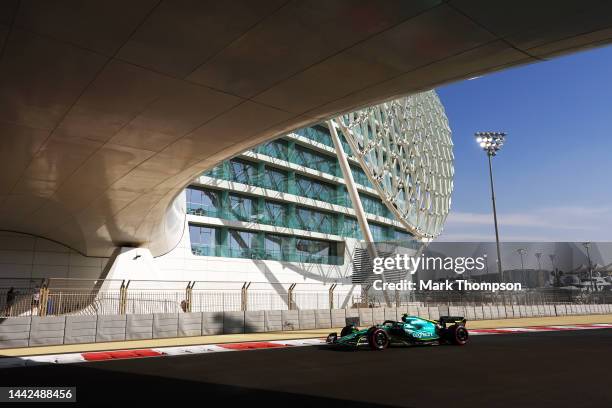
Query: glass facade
x=313 y=220
x=318 y=161
x=210 y=241
x=242 y=171
x=202 y=201
x=315 y=189
x=241 y=208
x=203 y=240
x=246 y=243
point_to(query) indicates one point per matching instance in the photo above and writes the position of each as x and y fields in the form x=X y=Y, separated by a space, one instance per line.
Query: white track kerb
x=85 y=357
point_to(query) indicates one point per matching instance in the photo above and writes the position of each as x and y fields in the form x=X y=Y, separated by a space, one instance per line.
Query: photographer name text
x=447 y=285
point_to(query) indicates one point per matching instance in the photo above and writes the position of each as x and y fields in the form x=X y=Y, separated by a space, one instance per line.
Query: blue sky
x=554 y=174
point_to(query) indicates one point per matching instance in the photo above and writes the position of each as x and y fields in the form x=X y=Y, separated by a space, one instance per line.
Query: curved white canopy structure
x=108 y=108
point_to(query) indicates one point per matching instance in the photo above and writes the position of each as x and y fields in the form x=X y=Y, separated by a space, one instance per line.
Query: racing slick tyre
x=332 y=338
x=378 y=339
x=457 y=335
x=347 y=330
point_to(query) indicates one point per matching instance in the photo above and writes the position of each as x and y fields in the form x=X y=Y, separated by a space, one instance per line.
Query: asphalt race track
x=555 y=369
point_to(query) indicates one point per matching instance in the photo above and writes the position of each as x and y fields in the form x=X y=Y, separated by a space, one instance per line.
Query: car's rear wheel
x=378 y=339
x=458 y=335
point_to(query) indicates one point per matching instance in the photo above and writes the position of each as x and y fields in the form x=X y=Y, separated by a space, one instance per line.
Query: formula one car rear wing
x=443 y=320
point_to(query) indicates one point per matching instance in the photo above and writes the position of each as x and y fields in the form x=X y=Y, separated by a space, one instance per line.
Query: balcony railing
x=285 y=255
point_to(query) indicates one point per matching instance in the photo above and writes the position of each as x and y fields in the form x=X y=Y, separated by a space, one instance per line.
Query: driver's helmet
x=405 y=318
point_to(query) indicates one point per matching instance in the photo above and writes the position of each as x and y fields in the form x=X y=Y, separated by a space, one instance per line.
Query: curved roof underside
x=109 y=108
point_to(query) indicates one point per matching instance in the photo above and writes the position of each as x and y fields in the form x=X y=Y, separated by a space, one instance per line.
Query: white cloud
x=563 y=223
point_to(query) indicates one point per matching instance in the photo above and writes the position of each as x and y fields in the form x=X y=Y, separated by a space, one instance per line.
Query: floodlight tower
x=522 y=252
x=491 y=143
x=587 y=246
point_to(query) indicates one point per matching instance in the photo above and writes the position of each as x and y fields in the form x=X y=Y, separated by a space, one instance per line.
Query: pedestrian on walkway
x=10 y=300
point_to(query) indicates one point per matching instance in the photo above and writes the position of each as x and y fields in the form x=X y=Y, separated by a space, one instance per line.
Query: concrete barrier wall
x=338 y=317
x=413 y=310
x=15 y=332
x=323 y=319
x=290 y=319
x=37 y=330
x=110 y=328
x=165 y=325
x=47 y=330
x=423 y=312
x=212 y=323
x=365 y=317
x=352 y=313
x=434 y=313
x=307 y=319
x=233 y=322
x=456 y=311
x=139 y=327
x=80 y=329
x=274 y=320
x=400 y=311
x=378 y=315
x=391 y=313
x=560 y=310
x=443 y=310
x=254 y=322
x=190 y=324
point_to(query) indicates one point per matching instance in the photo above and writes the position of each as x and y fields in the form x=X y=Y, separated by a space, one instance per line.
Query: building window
x=242 y=244
x=241 y=208
x=378 y=232
x=403 y=236
x=314 y=160
x=316 y=133
x=203 y=240
x=360 y=176
x=242 y=171
x=204 y=202
x=373 y=205
x=275 y=179
x=351 y=228
x=315 y=189
x=274 y=213
x=275 y=247
x=313 y=220
x=277 y=148
x=313 y=251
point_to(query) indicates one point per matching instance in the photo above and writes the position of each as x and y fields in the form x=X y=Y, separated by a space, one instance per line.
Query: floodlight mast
x=491 y=143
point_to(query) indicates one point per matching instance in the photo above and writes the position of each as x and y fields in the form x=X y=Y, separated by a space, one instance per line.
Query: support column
x=222 y=248
x=290 y=216
x=355 y=200
x=260 y=245
x=291 y=183
x=261 y=174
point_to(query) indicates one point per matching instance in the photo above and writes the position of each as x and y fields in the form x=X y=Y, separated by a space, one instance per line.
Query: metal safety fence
x=53 y=297
x=50 y=297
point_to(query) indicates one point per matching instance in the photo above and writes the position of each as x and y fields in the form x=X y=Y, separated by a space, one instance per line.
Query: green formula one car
x=411 y=330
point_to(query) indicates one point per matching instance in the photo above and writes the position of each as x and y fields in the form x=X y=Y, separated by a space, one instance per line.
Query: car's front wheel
x=378 y=339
